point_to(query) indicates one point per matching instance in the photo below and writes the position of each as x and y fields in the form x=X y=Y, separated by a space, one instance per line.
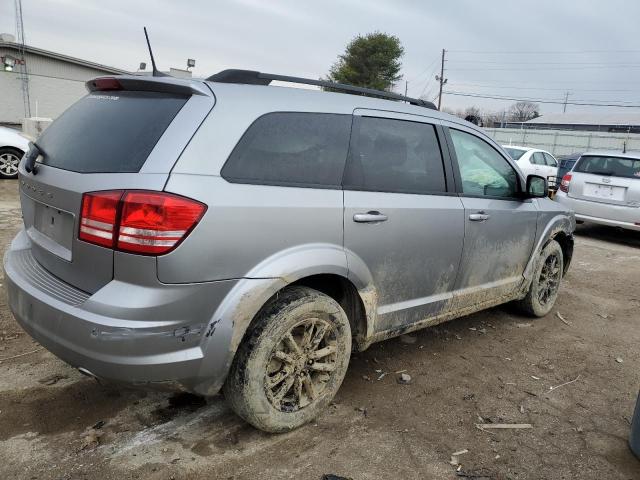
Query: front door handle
x=479 y=217
x=370 y=217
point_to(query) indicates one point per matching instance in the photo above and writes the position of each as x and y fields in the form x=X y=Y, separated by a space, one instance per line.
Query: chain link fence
x=564 y=142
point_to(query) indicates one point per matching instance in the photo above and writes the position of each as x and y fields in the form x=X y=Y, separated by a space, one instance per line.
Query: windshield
x=515 y=153
x=613 y=166
x=109 y=131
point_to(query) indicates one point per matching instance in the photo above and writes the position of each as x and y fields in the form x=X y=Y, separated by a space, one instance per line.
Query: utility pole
x=566 y=99
x=440 y=78
x=406 y=88
x=23 y=73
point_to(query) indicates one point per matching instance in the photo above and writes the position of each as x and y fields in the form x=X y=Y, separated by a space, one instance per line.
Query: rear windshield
x=515 y=153
x=613 y=166
x=109 y=131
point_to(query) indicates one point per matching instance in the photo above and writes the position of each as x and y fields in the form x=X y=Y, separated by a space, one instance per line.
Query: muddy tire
x=292 y=362
x=544 y=287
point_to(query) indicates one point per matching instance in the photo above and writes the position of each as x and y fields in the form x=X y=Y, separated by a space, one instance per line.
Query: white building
x=54 y=81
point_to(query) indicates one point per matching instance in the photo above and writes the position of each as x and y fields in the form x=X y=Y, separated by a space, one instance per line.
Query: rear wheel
x=9 y=160
x=546 y=281
x=292 y=362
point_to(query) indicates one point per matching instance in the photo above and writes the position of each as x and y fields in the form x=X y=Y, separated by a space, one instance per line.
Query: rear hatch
x=606 y=179
x=126 y=133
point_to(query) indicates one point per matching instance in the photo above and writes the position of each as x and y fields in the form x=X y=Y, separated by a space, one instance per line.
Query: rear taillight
x=564 y=185
x=99 y=216
x=148 y=223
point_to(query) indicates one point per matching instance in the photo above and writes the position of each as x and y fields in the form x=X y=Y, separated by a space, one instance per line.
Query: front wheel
x=292 y=362
x=544 y=287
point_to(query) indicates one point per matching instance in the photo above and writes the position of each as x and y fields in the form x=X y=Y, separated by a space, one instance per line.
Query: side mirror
x=536 y=186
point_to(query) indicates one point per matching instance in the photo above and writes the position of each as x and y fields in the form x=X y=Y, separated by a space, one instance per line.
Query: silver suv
x=226 y=234
x=604 y=187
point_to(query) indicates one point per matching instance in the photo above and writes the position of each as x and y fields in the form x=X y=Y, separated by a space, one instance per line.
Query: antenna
x=156 y=72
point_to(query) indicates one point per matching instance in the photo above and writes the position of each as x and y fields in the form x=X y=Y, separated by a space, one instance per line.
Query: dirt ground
x=495 y=366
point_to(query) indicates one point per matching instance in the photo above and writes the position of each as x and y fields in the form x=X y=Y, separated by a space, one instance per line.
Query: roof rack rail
x=252 y=77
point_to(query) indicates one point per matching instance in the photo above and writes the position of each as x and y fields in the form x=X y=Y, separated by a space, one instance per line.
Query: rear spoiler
x=148 y=84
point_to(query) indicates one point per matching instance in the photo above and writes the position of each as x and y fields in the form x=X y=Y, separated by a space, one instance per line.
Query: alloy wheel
x=9 y=164
x=301 y=365
x=549 y=280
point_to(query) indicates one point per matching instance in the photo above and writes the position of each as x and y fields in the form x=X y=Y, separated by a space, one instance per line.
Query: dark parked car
x=566 y=163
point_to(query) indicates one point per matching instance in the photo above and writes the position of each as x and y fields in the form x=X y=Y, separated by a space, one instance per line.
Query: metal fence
x=563 y=142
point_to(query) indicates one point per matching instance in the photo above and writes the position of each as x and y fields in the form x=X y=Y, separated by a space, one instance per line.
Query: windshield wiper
x=30 y=158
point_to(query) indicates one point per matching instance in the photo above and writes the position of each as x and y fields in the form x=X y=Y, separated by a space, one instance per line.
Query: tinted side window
x=289 y=148
x=482 y=169
x=394 y=156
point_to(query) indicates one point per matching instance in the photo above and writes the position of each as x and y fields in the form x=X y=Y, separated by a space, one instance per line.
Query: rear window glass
x=399 y=156
x=293 y=149
x=515 y=153
x=613 y=166
x=109 y=131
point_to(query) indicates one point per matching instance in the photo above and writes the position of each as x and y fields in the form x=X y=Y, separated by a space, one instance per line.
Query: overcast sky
x=498 y=48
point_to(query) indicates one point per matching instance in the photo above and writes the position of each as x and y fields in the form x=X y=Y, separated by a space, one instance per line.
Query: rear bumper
x=145 y=335
x=601 y=213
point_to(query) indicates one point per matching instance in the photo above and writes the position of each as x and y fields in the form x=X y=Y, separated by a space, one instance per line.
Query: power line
x=492 y=62
x=45 y=76
x=538 y=100
x=532 y=67
x=541 y=52
x=520 y=87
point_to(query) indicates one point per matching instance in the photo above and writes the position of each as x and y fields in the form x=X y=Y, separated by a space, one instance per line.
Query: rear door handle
x=479 y=217
x=369 y=217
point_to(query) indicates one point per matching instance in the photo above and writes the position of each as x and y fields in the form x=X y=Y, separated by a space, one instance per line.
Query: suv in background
x=604 y=187
x=228 y=234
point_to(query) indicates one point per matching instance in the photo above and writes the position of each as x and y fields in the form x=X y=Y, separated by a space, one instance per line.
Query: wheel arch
x=559 y=228
x=322 y=267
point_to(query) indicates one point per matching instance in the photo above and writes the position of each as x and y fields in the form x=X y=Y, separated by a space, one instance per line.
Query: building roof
x=59 y=56
x=588 y=118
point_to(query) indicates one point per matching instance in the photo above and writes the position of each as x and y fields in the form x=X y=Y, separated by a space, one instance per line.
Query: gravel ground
x=494 y=366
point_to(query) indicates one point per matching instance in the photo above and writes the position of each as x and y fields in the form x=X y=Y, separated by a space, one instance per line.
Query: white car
x=533 y=161
x=13 y=145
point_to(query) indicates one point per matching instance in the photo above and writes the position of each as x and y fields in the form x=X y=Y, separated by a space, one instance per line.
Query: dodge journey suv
x=230 y=235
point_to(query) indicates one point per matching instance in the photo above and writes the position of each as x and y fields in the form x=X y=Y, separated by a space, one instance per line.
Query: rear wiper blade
x=30 y=158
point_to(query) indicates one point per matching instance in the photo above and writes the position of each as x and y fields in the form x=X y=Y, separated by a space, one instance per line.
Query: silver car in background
x=229 y=234
x=604 y=187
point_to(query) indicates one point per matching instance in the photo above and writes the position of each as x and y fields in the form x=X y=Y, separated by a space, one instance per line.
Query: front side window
x=292 y=149
x=399 y=156
x=483 y=170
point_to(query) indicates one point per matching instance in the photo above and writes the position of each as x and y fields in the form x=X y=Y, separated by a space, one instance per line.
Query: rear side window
x=550 y=160
x=394 y=156
x=515 y=153
x=613 y=166
x=109 y=132
x=292 y=149
x=537 y=158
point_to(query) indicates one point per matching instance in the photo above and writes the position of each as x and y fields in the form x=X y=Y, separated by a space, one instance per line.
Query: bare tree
x=523 y=111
